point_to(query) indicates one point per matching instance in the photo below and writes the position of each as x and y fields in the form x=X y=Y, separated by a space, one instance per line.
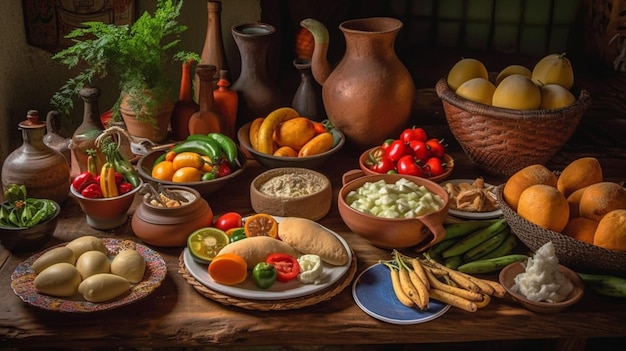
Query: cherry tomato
x=386 y=144
x=378 y=162
x=407 y=165
x=124 y=187
x=228 y=221
x=414 y=133
x=436 y=147
x=397 y=149
x=421 y=152
x=223 y=169
x=433 y=167
x=287 y=266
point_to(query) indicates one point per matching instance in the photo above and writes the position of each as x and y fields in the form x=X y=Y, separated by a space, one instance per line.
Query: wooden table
x=176 y=315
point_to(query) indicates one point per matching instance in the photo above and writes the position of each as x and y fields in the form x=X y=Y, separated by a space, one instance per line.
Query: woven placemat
x=572 y=253
x=270 y=305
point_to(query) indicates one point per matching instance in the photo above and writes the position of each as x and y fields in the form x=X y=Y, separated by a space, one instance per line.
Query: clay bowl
x=446 y=158
x=270 y=161
x=205 y=188
x=29 y=238
x=106 y=213
x=419 y=232
x=170 y=226
x=313 y=206
x=507 y=279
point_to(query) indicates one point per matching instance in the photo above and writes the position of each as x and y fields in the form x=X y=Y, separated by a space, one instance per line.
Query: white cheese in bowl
x=542 y=280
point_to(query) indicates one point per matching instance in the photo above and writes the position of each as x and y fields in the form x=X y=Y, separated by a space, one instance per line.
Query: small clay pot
x=170 y=226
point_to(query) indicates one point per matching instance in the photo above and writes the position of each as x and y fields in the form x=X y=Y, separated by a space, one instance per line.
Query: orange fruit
x=581 y=228
x=261 y=224
x=228 y=269
x=574 y=202
x=163 y=170
x=611 y=231
x=187 y=175
x=601 y=198
x=578 y=174
x=545 y=206
x=286 y=151
x=522 y=179
x=294 y=132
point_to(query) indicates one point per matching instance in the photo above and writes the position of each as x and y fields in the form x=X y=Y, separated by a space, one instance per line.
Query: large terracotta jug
x=369 y=94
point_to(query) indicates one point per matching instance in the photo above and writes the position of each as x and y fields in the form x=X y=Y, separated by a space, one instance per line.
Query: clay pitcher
x=369 y=94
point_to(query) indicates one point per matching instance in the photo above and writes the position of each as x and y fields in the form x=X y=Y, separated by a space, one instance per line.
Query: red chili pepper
x=83 y=180
x=124 y=187
x=92 y=191
x=287 y=266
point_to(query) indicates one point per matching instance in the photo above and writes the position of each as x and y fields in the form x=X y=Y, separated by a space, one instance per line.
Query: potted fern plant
x=137 y=57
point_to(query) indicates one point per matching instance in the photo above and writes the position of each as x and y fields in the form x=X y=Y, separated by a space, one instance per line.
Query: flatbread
x=309 y=237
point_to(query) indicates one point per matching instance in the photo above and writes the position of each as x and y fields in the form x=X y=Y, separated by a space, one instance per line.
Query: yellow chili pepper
x=266 y=130
x=107 y=180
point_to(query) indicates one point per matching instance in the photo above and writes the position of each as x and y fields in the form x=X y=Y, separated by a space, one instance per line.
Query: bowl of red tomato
x=413 y=153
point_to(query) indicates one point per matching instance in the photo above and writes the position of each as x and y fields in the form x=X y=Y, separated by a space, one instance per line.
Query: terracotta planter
x=154 y=128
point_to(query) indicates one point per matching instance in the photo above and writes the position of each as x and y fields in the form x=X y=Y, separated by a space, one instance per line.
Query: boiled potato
x=52 y=256
x=60 y=280
x=86 y=243
x=93 y=262
x=103 y=287
x=129 y=264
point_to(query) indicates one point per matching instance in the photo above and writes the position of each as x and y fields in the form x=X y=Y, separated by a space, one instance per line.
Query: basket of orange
x=515 y=118
x=583 y=215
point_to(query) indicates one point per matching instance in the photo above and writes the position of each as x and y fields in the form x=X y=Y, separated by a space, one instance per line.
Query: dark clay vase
x=258 y=94
x=84 y=137
x=307 y=99
x=43 y=170
x=369 y=94
x=185 y=106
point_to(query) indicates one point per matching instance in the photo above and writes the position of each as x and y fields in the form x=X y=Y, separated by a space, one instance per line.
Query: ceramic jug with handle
x=369 y=94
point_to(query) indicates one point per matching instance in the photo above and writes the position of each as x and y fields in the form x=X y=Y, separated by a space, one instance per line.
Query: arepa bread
x=309 y=237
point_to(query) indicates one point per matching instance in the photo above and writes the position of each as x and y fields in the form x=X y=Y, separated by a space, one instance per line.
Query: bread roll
x=255 y=249
x=308 y=237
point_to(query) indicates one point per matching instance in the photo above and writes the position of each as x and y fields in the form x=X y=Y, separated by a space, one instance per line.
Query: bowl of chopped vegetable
x=393 y=210
x=27 y=224
x=537 y=303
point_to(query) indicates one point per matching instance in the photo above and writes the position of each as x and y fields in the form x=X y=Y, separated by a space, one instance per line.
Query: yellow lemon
x=554 y=69
x=465 y=70
x=513 y=69
x=517 y=92
x=478 y=90
x=555 y=96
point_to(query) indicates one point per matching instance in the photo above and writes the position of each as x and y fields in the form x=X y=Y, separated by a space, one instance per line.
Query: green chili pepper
x=264 y=275
x=227 y=145
x=237 y=235
x=208 y=176
x=208 y=148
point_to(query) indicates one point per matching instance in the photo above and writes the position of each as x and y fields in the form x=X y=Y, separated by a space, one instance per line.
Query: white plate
x=373 y=293
x=471 y=215
x=278 y=291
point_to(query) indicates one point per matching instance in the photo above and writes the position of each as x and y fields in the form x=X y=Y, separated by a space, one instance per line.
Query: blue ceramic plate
x=373 y=293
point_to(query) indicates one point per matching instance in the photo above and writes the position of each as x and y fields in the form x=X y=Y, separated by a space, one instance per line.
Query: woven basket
x=503 y=141
x=572 y=253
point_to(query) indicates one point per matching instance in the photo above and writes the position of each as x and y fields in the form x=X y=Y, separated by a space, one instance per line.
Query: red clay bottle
x=226 y=101
x=207 y=119
x=185 y=106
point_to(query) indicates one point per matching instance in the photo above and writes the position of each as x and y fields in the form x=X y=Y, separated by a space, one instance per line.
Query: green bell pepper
x=264 y=275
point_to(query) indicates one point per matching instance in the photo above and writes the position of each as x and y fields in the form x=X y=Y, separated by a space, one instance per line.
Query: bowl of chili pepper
x=27 y=224
x=103 y=212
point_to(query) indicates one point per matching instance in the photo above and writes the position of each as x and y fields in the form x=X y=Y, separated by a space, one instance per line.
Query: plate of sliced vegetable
x=247 y=289
x=373 y=293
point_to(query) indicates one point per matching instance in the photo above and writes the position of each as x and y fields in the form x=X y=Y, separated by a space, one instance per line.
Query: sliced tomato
x=287 y=267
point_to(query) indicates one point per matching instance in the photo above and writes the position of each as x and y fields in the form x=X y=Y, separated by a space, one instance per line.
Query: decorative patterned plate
x=278 y=291
x=373 y=293
x=472 y=215
x=23 y=277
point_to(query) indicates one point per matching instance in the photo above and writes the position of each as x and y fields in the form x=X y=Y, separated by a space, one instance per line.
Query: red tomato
x=386 y=144
x=228 y=221
x=420 y=151
x=378 y=162
x=433 y=167
x=223 y=169
x=436 y=147
x=287 y=266
x=414 y=133
x=407 y=165
x=397 y=149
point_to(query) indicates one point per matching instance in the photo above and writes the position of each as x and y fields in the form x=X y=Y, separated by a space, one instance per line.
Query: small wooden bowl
x=507 y=279
x=313 y=206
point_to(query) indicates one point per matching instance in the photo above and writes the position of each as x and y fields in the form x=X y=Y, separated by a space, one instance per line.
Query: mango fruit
x=554 y=69
x=464 y=70
x=517 y=92
x=478 y=90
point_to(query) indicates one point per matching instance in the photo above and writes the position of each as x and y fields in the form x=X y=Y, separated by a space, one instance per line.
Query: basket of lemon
x=515 y=118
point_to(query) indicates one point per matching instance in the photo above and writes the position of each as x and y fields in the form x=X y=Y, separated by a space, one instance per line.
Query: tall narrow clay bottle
x=308 y=97
x=226 y=101
x=185 y=106
x=213 y=52
x=85 y=135
x=207 y=119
